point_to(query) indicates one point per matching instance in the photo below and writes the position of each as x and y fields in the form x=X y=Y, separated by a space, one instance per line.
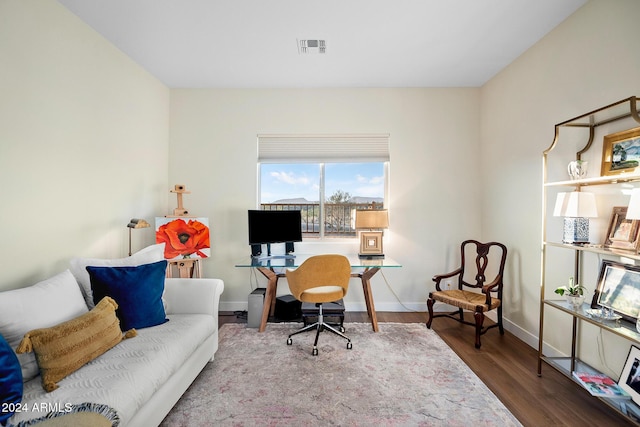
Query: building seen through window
x=327 y=194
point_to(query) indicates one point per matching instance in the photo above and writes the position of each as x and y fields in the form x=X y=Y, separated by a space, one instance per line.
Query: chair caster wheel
x=289 y=341
x=314 y=352
x=342 y=329
x=349 y=345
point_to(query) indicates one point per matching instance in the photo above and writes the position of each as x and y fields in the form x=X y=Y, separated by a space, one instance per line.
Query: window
x=325 y=177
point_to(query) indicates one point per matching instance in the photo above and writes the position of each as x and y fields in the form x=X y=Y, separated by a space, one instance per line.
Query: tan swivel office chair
x=477 y=302
x=320 y=279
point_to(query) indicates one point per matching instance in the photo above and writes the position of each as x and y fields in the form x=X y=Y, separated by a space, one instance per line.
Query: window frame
x=322 y=150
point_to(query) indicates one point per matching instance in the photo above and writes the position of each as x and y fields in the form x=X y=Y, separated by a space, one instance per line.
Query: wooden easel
x=179 y=189
x=185 y=268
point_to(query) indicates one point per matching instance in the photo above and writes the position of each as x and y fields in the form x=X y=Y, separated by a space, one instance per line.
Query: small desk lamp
x=371 y=241
x=576 y=207
x=136 y=223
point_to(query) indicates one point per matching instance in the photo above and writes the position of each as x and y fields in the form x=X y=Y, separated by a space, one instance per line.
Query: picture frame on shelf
x=630 y=377
x=621 y=152
x=622 y=233
x=618 y=289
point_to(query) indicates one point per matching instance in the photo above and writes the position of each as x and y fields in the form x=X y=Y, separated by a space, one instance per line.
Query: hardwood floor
x=508 y=367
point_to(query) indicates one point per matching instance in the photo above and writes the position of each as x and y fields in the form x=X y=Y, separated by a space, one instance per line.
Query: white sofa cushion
x=126 y=376
x=147 y=255
x=45 y=304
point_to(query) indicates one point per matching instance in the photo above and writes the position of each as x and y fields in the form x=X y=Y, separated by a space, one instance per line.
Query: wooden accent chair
x=320 y=279
x=477 y=302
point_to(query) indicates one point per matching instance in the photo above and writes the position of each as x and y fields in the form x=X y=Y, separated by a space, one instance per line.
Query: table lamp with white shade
x=633 y=211
x=576 y=207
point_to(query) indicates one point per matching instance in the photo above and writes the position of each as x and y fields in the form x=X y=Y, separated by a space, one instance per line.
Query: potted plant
x=573 y=293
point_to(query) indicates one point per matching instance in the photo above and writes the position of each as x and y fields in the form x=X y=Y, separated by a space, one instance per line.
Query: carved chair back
x=488 y=259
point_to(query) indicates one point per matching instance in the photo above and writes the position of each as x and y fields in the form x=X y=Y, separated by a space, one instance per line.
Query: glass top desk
x=268 y=265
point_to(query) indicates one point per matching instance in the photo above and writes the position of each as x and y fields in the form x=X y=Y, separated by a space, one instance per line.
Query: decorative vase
x=577 y=169
x=575 y=301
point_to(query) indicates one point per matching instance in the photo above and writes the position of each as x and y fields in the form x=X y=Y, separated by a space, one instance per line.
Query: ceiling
x=369 y=43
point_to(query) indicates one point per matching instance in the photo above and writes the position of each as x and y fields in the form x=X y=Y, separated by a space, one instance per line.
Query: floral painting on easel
x=183 y=237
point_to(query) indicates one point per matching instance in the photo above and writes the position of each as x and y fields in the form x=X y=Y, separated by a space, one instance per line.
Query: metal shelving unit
x=590 y=121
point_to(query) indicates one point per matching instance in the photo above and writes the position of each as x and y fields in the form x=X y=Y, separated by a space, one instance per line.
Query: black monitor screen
x=274 y=227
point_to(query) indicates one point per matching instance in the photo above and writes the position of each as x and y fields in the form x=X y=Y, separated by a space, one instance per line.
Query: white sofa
x=141 y=378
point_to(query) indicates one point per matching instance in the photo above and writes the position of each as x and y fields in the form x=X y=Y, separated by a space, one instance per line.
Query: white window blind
x=354 y=148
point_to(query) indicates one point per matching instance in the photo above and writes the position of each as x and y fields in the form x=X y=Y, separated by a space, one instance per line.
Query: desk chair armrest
x=438 y=277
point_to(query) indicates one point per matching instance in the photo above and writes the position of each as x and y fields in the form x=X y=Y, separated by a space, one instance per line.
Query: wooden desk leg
x=366 y=276
x=270 y=296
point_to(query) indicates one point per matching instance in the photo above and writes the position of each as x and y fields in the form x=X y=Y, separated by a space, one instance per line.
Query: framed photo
x=621 y=152
x=622 y=232
x=630 y=377
x=618 y=289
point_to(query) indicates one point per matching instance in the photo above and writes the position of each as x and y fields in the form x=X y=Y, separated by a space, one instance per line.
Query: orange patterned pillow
x=65 y=348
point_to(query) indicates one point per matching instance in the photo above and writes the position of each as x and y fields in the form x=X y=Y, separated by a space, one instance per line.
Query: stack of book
x=600 y=385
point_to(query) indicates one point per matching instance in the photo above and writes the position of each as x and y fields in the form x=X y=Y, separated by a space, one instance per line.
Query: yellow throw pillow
x=65 y=348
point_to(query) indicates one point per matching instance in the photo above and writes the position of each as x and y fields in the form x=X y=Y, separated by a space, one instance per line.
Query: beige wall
x=434 y=177
x=88 y=140
x=83 y=143
x=587 y=62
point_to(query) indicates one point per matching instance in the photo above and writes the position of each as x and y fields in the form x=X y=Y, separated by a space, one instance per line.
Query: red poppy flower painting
x=183 y=238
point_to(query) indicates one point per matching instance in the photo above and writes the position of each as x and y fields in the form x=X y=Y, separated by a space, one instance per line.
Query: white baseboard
x=234 y=306
x=350 y=306
x=524 y=335
x=531 y=339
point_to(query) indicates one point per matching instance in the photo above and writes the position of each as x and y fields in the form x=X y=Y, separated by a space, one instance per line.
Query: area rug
x=404 y=375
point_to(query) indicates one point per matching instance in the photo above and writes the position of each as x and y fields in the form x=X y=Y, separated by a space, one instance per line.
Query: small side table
x=188 y=268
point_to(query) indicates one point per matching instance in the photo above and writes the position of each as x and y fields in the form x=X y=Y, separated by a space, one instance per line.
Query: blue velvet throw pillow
x=10 y=381
x=137 y=291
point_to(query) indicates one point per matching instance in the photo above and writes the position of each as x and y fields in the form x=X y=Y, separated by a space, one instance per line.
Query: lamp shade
x=576 y=204
x=633 y=211
x=138 y=223
x=372 y=219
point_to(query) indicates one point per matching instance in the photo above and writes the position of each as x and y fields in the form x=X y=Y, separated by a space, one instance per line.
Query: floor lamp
x=136 y=223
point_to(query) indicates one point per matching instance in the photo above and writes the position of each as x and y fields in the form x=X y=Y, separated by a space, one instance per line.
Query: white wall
x=83 y=143
x=589 y=61
x=88 y=140
x=434 y=178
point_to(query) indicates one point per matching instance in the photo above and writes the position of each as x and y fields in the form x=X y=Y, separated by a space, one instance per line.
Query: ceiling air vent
x=312 y=46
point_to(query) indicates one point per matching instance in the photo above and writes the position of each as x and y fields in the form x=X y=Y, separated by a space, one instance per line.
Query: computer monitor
x=266 y=227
